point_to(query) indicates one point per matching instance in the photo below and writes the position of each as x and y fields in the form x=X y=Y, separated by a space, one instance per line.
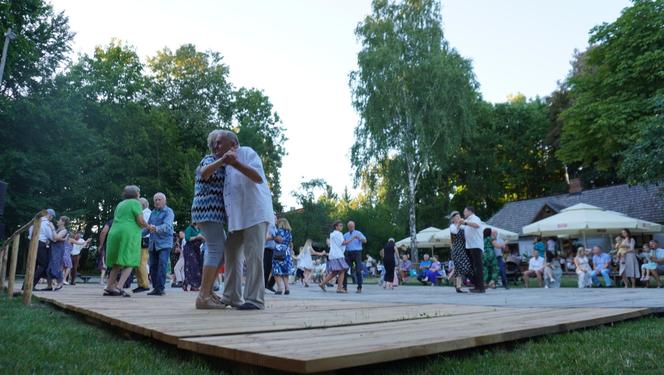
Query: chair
x=513 y=272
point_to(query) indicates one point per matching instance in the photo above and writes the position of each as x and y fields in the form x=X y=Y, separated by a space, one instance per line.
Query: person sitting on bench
x=432 y=273
x=601 y=266
x=535 y=268
x=424 y=266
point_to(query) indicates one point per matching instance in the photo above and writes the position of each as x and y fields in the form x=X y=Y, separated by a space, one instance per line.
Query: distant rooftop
x=642 y=202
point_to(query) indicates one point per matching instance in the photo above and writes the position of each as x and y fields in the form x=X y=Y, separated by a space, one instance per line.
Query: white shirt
x=336 y=245
x=247 y=203
x=78 y=246
x=536 y=263
x=454 y=229
x=499 y=250
x=551 y=246
x=146 y=216
x=46 y=231
x=474 y=237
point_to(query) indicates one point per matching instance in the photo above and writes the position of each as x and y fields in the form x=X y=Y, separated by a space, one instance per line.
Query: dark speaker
x=3 y=192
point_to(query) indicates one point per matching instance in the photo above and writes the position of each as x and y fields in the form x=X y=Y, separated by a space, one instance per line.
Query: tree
x=43 y=153
x=313 y=221
x=413 y=92
x=644 y=160
x=613 y=95
x=260 y=127
x=42 y=44
x=194 y=87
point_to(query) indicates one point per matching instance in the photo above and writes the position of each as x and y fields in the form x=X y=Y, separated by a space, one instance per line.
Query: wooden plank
x=3 y=266
x=349 y=347
x=245 y=324
x=166 y=325
x=32 y=260
x=328 y=334
x=12 y=266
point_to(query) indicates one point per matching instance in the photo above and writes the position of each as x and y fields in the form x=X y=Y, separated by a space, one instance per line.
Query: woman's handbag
x=280 y=252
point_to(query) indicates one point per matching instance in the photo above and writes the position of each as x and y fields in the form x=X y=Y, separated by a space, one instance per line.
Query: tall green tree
x=644 y=159
x=194 y=87
x=43 y=42
x=260 y=127
x=42 y=154
x=614 y=95
x=313 y=220
x=414 y=93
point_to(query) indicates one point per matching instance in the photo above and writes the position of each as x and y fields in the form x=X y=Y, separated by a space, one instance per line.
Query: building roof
x=641 y=202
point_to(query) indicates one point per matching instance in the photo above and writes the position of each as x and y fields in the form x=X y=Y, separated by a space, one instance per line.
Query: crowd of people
x=235 y=236
x=58 y=252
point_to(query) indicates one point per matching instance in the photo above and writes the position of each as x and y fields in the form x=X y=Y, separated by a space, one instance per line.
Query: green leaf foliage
x=71 y=141
x=613 y=90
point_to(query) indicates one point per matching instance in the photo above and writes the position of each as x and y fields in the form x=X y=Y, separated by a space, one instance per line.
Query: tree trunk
x=412 y=186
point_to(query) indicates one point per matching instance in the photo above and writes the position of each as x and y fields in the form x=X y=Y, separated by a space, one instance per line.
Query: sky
x=300 y=53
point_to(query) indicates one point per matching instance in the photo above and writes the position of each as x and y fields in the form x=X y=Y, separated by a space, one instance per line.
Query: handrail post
x=3 y=266
x=12 y=266
x=32 y=260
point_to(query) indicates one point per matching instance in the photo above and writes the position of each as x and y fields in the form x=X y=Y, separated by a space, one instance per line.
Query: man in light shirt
x=659 y=259
x=248 y=204
x=535 y=268
x=160 y=228
x=46 y=236
x=474 y=247
x=601 y=266
x=353 y=239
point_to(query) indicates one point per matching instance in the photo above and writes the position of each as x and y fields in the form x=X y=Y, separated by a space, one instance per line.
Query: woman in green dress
x=123 y=244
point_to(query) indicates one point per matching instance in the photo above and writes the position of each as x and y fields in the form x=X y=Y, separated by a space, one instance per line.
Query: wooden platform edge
x=475 y=342
x=362 y=359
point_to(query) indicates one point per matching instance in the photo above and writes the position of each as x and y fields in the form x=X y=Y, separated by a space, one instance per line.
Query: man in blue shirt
x=353 y=239
x=601 y=265
x=659 y=259
x=160 y=227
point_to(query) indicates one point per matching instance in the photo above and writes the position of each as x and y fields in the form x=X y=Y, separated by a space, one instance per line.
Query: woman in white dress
x=582 y=268
x=305 y=262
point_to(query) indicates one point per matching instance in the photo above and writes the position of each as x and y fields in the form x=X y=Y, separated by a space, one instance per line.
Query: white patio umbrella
x=445 y=238
x=424 y=239
x=584 y=219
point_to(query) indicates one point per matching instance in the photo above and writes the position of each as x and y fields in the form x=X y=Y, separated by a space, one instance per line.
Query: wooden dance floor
x=325 y=334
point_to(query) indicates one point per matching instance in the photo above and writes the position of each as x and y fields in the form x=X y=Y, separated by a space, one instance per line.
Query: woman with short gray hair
x=123 y=244
x=208 y=212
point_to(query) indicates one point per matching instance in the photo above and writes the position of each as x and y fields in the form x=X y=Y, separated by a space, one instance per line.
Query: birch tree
x=414 y=93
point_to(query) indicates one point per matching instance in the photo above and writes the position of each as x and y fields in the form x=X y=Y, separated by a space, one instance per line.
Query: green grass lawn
x=631 y=347
x=40 y=339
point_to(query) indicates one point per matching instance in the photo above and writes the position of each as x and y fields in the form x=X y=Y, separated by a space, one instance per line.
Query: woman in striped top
x=208 y=212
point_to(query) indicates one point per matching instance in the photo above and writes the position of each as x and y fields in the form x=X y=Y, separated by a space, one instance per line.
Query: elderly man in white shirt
x=46 y=236
x=248 y=204
x=472 y=226
x=535 y=268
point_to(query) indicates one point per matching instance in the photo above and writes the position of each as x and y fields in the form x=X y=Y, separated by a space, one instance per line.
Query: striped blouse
x=208 y=204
